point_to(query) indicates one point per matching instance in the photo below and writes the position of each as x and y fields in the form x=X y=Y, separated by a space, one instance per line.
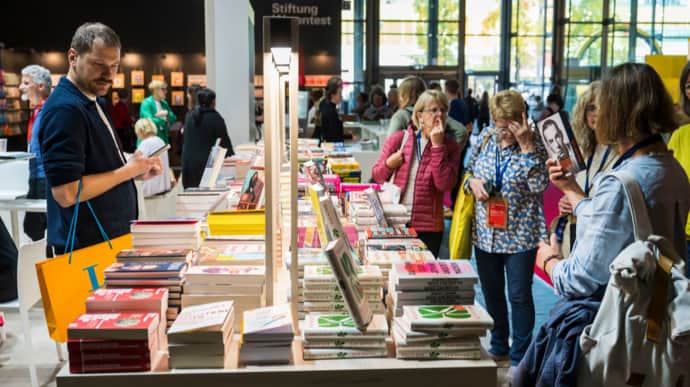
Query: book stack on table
x=335 y=336
x=233 y=252
x=201 y=336
x=363 y=215
x=384 y=253
x=440 y=332
x=197 y=202
x=267 y=335
x=244 y=285
x=113 y=342
x=156 y=254
x=168 y=275
x=306 y=257
x=139 y=300
x=432 y=283
x=322 y=294
x=182 y=233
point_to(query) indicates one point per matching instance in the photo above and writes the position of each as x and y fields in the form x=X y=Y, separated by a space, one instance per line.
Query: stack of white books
x=244 y=285
x=197 y=202
x=335 y=336
x=201 y=336
x=322 y=294
x=267 y=335
x=385 y=253
x=440 y=332
x=182 y=233
x=432 y=283
x=306 y=257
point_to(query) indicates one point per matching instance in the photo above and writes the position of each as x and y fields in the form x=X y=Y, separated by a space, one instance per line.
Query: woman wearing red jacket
x=425 y=162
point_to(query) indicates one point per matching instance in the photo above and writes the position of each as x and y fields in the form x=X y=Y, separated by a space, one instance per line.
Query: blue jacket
x=75 y=142
x=552 y=357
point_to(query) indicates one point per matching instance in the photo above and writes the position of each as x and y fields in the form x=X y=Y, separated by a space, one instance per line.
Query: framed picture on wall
x=199 y=79
x=158 y=77
x=137 y=95
x=119 y=81
x=178 y=98
x=137 y=77
x=177 y=79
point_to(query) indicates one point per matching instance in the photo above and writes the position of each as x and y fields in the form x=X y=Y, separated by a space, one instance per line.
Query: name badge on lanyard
x=497 y=206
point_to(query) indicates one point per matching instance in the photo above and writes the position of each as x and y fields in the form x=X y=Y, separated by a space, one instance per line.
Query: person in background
x=362 y=99
x=393 y=100
x=679 y=143
x=410 y=89
x=377 y=108
x=435 y=86
x=316 y=96
x=538 y=108
x=484 y=117
x=425 y=166
x=157 y=109
x=458 y=109
x=81 y=155
x=554 y=104
x=8 y=266
x=599 y=158
x=122 y=121
x=149 y=142
x=331 y=129
x=35 y=88
x=203 y=126
x=192 y=102
x=508 y=178
x=472 y=109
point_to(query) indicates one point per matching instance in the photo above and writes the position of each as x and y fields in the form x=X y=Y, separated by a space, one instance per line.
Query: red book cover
x=94 y=358
x=100 y=345
x=127 y=326
x=103 y=367
x=107 y=300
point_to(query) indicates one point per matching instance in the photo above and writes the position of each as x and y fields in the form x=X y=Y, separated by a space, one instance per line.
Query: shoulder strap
x=638 y=207
x=406 y=134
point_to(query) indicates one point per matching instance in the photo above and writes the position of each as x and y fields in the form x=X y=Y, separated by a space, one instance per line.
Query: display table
x=16 y=205
x=331 y=373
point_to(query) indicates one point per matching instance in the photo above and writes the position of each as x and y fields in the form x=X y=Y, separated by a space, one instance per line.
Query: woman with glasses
x=508 y=180
x=599 y=158
x=423 y=160
x=157 y=109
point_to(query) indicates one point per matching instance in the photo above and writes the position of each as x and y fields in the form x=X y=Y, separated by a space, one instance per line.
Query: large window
x=353 y=48
x=403 y=33
x=531 y=43
x=482 y=35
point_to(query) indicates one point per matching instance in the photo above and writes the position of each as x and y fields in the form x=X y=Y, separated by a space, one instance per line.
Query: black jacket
x=202 y=127
x=331 y=125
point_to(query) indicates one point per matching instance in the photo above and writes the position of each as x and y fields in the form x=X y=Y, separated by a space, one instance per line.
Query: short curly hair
x=507 y=105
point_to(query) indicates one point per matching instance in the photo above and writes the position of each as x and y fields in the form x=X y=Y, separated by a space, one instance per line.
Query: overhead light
x=281 y=55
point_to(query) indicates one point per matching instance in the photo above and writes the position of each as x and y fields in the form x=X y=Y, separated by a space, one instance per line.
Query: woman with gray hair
x=35 y=88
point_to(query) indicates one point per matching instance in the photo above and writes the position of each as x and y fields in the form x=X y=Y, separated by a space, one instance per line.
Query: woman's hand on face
x=522 y=134
x=395 y=160
x=478 y=190
x=564 y=206
x=437 y=133
x=558 y=177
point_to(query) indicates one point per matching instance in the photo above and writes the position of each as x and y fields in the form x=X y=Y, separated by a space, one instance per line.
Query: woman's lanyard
x=601 y=166
x=419 y=145
x=500 y=169
x=649 y=141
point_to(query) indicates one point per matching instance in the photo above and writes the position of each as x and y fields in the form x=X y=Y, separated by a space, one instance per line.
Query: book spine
x=339 y=343
x=377 y=207
x=316 y=354
x=438 y=355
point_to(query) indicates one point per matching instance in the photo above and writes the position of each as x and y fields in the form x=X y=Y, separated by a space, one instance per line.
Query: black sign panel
x=319 y=32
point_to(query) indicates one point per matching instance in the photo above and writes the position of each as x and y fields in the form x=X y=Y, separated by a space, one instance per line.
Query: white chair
x=15 y=179
x=29 y=294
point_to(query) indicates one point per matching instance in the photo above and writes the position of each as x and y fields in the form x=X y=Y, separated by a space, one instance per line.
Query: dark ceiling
x=143 y=25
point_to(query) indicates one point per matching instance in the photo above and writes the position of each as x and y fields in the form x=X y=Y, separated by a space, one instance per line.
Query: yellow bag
x=460 y=237
x=65 y=286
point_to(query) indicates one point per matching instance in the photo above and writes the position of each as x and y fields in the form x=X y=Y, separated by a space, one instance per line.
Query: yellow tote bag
x=460 y=237
x=65 y=286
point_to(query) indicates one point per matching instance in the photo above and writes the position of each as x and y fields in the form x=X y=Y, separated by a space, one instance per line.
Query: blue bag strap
x=72 y=232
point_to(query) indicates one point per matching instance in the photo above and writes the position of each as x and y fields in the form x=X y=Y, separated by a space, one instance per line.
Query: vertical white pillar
x=228 y=64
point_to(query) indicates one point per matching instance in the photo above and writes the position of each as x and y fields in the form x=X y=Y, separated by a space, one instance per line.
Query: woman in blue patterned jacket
x=509 y=178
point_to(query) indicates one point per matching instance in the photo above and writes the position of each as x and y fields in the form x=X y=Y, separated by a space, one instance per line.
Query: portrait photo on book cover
x=560 y=143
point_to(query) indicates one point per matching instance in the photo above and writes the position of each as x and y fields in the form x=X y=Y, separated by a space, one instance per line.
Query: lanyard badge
x=497 y=206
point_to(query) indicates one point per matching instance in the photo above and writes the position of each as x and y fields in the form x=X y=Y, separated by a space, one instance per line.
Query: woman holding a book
x=508 y=180
x=598 y=157
x=423 y=161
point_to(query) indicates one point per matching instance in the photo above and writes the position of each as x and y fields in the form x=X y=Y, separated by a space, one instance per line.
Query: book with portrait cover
x=559 y=141
x=116 y=326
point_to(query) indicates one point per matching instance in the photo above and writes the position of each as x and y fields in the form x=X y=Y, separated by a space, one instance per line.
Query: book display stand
x=281 y=215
